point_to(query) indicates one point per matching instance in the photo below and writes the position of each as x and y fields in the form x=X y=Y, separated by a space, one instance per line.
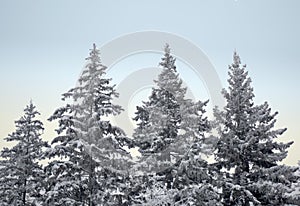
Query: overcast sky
x=43 y=46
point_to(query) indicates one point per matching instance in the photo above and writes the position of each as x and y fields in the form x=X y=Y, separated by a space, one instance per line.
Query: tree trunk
x=24 y=193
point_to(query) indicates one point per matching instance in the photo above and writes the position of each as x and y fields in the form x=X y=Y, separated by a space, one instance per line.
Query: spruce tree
x=168 y=125
x=247 y=149
x=88 y=142
x=21 y=174
x=168 y=117
x=158 y=119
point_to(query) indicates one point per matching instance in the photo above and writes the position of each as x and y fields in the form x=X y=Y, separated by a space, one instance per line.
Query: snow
x=87 y=162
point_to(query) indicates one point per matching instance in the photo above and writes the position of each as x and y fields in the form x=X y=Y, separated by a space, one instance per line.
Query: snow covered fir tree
x=247 y=150
x=170 y=136
x=92 y=165
x=21 y=174
x=88 y=162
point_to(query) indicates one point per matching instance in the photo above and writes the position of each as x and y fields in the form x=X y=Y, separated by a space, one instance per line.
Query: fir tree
x=168 y=117
x=22 y=176
x=88 y=141
x=247 y=146
x=158 y=118
x=168 y=125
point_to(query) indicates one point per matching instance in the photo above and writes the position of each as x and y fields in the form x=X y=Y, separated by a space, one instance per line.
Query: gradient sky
x=43 y=45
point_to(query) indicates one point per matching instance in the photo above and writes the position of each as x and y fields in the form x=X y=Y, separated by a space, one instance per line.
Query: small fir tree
x=22 y=175
x=247 y=148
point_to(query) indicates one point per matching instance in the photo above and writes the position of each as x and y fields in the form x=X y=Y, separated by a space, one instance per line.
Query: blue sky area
x=43 y=45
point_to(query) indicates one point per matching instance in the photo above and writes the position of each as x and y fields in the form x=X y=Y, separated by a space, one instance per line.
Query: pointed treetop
x=236 y=59
x=168 y=61
x=94 y=54
x=95 y=50
x=30 y=109
x=167 y=49
x=30 y=105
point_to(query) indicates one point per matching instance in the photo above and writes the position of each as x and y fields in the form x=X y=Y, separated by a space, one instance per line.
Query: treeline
x=88 y=162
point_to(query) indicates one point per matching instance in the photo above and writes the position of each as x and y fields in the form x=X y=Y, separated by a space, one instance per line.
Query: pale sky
x=43 y=45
